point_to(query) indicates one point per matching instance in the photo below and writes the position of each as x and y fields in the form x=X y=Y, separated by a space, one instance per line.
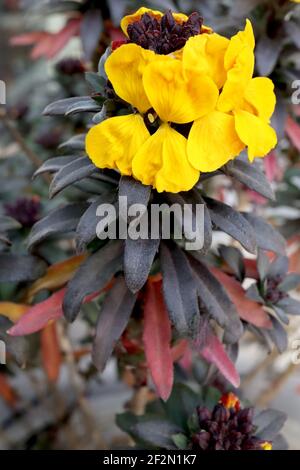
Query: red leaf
x=179 y=350
x=248 y=310
x=215 y=353
x=293 y=131
x=27 y=39
x=6 y=391
x=51 y=355
x=157 y=337
x=39 y=315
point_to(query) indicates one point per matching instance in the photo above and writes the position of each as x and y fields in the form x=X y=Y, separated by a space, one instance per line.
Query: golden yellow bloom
x=194 y=102
x=267 y=445
x=244 y=108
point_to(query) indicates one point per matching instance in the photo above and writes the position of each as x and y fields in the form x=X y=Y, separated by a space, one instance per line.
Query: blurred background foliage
x=60 y=400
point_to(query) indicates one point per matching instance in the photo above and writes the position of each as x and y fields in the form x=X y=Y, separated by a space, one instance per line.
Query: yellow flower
x=151 y=82
x=194 y=102
x=268 y=445
x=244 y=108
x=127 y=20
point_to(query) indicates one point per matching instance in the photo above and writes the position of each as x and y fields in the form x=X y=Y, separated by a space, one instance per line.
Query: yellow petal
x=162 y=162
x=114 y=142
x=213 y=141
x=255 y=133
x=238 y=78
x=260 y=94
x=124 y=68
x=205 y=54
x=127 y=20
x=175 y=98
x=237 y=44
x=180 y=17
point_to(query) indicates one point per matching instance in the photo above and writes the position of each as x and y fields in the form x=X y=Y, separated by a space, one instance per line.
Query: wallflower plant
x=174 y=105
x=195 y=104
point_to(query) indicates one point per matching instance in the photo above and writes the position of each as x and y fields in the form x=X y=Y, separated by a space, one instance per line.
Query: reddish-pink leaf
x=247 y=309
x=293 y=131
x=27 y=39
x=39 y=315
x=271 y=166
x=215 y=353
x=157 y=338
x=51 y=355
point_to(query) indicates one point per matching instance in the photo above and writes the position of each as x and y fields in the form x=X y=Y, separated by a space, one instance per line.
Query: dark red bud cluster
x=225 y=429
x=164 y=35
x=273 y=293
x=24 y=210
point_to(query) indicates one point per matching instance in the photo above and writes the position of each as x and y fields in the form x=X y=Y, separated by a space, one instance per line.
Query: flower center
x=164 y=35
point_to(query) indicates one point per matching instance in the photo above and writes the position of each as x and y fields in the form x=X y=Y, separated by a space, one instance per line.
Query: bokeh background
x=51 y=397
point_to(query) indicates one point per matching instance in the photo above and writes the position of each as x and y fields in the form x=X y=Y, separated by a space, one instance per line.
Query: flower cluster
x=194 y=103
x=227 y=427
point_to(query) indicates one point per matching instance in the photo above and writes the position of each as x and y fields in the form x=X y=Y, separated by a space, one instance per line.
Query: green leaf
x=180 y=440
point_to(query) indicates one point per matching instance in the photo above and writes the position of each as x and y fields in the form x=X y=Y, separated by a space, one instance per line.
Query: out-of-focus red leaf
x=271 y=166
x=248 y=310
x=293 y=131
x=51 y=354
x=47 y=44
x=179 y=349
x=294 y=254
x=6 y=391
x=157 y=337
x=215 y=353
x=251 y=268
x=27 y=39
x=39 y=315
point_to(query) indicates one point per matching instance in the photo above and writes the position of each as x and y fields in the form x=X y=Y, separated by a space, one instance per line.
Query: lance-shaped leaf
x=77 y=142
x=52 y=165
x=20 y=268
x=86 y=229
x=234 y=259
x=71 y=106
x=214 y=352
x=267 y=237
x=179 y=289
x=8 y=223
x=115 y=313
x=61 y=220
x=157 y=433
x=278 y=335
x=56 y=276
x=17 y=347
x=71 y=173
x=247 y=309
x=291 y=281
x=92 y=275
x=6 y=391
x=278 y=267
x=39 y=315
x=90 y=29
x=289 y=305
x=267 y=53
x=51 y=355
x=233 y=223
x=192 y=198
x=138 y=258
x=157 y=340
x=216 y=302
x=251 y=176
x=269 y=423
x=136 y=192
